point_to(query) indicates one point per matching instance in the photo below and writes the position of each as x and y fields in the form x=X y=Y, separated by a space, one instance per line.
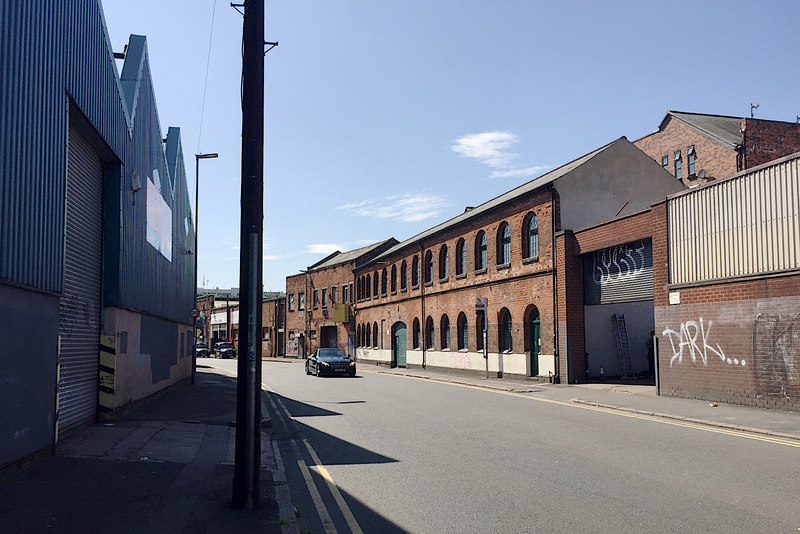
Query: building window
x=301 y=301
x=403 y=275
x=333 y=295
x=461 y=257
x=358 y=336
x=384 y=283
x=368 y=331
x=690 y=156
x=480 y=251
x=394 y=279
x=480 y=323
x=315 y=298
x=415 y=271
x=375 y=335
x=530 y=239
x=324 y=297
x=350 y=285
x=375 y=284
x=665 y=163
x=428 y=267
x=504 y=335
x=445 y=326
x=678 y=173
x=429 y=333
x=291 y=302
x=443 y=261
x=504 y=244
x=415 y=341
x=463 y=331
x=345 y=293
x=367 y=286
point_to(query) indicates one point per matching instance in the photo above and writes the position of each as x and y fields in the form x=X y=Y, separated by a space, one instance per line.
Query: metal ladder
x=623 y=346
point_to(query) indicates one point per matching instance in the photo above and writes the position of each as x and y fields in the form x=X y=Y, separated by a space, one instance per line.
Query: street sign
x=195 y=313
x=480 y=304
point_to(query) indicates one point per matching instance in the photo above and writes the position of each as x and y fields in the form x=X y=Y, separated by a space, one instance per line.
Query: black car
x=224 y=349
x=201 y=350
x=330 y=362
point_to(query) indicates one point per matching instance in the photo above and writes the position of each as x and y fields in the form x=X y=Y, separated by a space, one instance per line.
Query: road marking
x=320 y=468
x=696 y=426
x=317 y=498
x=348 y=515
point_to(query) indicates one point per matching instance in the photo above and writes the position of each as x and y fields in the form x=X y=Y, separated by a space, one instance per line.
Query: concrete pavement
x=165 y=467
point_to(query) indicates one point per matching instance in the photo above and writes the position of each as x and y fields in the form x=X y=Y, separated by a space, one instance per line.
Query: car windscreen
x=333 y=354
x=224 y=346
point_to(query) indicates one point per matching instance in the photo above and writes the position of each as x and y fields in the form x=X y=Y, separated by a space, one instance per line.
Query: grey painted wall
x=600 y=342
x=622 y=177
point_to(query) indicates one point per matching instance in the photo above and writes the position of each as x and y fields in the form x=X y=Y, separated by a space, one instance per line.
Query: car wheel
x=353 y=372
x=308 y=371
x=318 y=373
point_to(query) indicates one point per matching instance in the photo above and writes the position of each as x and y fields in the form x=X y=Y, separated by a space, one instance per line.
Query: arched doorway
x=399 y=344
x=533 y=338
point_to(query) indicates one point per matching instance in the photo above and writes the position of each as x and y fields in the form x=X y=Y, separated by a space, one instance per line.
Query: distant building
x=219 y=315
x=96 y=233
x=315 y=296
x=697 y=147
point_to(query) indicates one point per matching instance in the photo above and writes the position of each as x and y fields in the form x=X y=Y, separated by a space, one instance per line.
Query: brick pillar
x=569 y=284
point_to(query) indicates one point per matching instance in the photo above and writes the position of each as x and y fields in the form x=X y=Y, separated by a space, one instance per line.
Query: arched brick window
x=394 y=279
x=384 y=282
x=505 y=329
x=461 y=257
x=480 y=251
x=415 y=335
x=403 y=275
x=445 y=332
x=375 y=335
x=429 y=333
x=443 y=263
x=415 y=271
x=463 y=331
x=504 y=244
x=530 y=236
x=428 y=267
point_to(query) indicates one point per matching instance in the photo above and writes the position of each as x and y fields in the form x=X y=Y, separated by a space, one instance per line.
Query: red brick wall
x=770 y=140
x=522 y=284
x=335 y=276
x=736 y=342
x=716 y=158
x=571 y=325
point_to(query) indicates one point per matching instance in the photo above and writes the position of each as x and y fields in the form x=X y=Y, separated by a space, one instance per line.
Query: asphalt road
x=409 y=455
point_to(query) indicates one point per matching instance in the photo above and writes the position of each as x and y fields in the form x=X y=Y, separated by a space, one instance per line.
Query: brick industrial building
x=698 y=148
x=310 y=320
x=580 y=266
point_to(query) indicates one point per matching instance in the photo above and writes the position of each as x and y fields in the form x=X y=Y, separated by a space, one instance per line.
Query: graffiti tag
x=617 y=263
x=693 y=339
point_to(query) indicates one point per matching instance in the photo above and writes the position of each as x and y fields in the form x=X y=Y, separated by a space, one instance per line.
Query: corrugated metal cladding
x=79 y=325
x=48 y=50
x=622 y=273
x=32 y=146
x=743 y=226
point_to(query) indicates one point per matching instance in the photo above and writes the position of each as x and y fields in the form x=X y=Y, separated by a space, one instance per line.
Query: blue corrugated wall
x=51 y=54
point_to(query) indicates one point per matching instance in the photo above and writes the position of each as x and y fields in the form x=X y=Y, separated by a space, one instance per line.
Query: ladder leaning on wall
x=623 y=346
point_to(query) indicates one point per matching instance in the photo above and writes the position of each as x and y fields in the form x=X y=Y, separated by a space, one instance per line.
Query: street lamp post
x=197 y=157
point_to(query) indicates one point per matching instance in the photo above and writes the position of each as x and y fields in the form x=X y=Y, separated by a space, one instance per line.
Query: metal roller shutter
x=79 y=326
x=622 y=273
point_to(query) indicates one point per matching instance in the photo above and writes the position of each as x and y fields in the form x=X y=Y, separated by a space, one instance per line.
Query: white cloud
x=407 y=207
x=488 y=148
x=272 y=257
x=491 y=149
x=322 y=248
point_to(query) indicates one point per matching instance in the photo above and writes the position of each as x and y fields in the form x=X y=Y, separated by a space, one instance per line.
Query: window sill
x=533 y=259
x=461 y=276
x=481 y=271
x=428 y=284
x=445 y=349
x=415 y=287
x=404 y=290
x=503 y=266
x=443 y=280
x=463 y=350
x=394 y=292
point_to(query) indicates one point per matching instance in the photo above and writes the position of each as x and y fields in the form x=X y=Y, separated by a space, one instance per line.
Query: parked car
x=224 y=349
x=201 y=350
x=330 y=362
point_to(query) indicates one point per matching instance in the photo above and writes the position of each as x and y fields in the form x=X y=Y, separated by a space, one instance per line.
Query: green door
x=399 y=345
x=535 y=330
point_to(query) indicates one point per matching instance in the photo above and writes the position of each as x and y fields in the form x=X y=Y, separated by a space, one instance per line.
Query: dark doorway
x=399 y=345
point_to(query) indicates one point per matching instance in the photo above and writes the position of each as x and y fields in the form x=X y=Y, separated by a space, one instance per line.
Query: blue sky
x=383 y=119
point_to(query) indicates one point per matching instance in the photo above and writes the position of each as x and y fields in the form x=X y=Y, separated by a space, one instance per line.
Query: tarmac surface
x=168 y=465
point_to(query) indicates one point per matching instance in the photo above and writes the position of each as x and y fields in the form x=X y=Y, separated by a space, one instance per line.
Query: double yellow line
x=317 y=466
